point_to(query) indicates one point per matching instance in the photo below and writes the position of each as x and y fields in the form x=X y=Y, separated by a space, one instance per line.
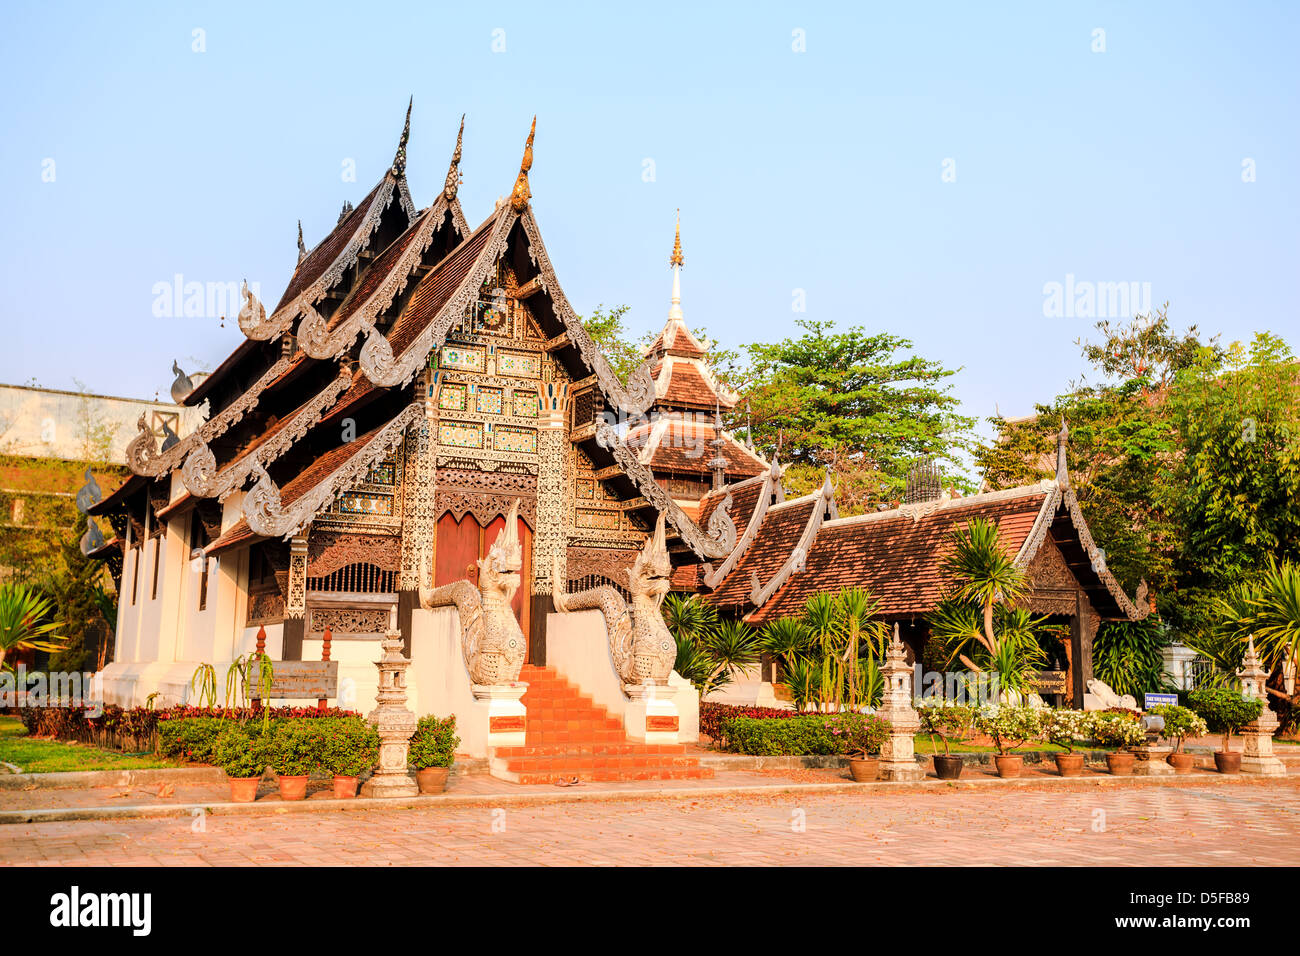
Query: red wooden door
x=459 y=544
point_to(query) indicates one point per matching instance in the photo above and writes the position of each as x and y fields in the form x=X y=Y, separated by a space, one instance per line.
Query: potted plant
x=432 y=750
x=235 y=752
x=295 y=752
x=947 y=721
x=1225 y=709
x=861 y=736
x=1006 y=723
x=348 y=746
x=1120 y=730
x=1180 y=723
x=1063 y=727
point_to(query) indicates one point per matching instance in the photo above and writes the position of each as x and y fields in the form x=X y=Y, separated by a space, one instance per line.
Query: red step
x=568 y=735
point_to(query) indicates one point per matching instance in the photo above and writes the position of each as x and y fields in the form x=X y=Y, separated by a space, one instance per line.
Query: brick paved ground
x=1195 y=825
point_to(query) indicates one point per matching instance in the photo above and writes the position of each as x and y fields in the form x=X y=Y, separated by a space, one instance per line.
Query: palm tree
x=1267 y=608
x=23 y=624
x=983 y=573
x=709 y=650
x=785 y=639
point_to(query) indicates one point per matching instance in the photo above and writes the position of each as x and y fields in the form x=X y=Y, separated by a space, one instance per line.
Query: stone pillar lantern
x=1257 y=736
x=898 y=755
x=394 y=721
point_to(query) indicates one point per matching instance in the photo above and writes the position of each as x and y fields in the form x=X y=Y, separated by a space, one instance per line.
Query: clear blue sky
x=818 y=170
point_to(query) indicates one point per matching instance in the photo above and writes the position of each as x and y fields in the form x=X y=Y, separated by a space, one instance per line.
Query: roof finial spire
x=519 y=198
x=676 y=258
x=453 y=172
x=676 y=262
x=399 y=160
x=302 y=247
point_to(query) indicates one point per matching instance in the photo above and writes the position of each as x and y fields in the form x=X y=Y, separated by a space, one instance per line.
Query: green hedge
x=808 y=735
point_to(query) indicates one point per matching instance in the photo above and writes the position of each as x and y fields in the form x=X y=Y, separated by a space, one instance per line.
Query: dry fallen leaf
x=166 y=790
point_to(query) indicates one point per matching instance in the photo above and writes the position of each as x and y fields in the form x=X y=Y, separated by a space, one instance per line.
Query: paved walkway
x=1196 y=824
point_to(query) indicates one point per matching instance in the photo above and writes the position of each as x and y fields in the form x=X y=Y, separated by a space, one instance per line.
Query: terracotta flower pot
x=948 y=766
x=1069 y=765
x=1009 y=765
x=345 y=788
x=293 y=788
x=243 y=789
x=1227 y=762
x=1181 y=762
x=1120 y=763
x=432 y=779
x=864 y=770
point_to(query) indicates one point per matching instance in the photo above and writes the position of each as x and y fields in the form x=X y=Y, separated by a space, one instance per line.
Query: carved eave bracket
x=714 y=576
x=720 y=538
x=268 y=517
x=377 y=360
x=759 y=592
x=143 y=456
x=201 y=475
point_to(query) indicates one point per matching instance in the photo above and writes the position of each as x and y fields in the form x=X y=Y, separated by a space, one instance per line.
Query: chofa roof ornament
x=519 y=198
x=399 y=159
x=453 y=171
x=181 y=386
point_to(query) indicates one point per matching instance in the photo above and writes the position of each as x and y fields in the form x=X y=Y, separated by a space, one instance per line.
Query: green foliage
x=786 y=639
x=856 y=401
x=976 y=622
x=238 y=752
x=806 y=735
x=191 y=738
x=292 y=748
x=1224 y=709
x=946 y=720
x=26 y=622
x=802 y=677
x=347 y=746
x=709 y=650
x=607 y=330
x=1126 y=655
x=434 y=743
x=1267 y=607
x=204 y=685
x=1180 y=723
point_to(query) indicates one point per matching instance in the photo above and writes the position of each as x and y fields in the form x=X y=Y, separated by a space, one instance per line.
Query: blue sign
x=1154 y=700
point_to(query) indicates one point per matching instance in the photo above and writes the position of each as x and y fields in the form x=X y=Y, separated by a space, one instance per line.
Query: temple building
x=422 y=418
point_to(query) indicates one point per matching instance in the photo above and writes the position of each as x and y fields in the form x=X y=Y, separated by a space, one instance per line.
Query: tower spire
x=399 y=160
x=676 y=261
x=302 y=246
x=519 y=198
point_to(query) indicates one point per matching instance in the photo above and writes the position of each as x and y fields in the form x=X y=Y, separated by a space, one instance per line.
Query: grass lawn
x=55 y=756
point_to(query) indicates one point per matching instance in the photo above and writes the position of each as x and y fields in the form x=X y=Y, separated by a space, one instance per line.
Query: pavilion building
x=420 y=377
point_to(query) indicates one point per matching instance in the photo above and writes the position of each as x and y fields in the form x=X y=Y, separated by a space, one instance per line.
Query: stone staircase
x=568 y=736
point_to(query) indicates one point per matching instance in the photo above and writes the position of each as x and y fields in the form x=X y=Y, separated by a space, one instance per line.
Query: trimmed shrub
x=434 y=743
x=713 y=716
x=238 y=753
x=348 y=746
x=804 y=735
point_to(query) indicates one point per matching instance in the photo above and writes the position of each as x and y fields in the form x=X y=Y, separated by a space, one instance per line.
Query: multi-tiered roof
x=326 y=384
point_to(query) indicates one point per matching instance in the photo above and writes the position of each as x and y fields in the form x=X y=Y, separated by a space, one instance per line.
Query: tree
x=709 y=650
x=608 y=332
x=977 y=622
x=854 y=402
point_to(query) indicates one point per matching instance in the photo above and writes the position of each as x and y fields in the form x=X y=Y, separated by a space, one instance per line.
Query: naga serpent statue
x=640 y=643
x=492 y=641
